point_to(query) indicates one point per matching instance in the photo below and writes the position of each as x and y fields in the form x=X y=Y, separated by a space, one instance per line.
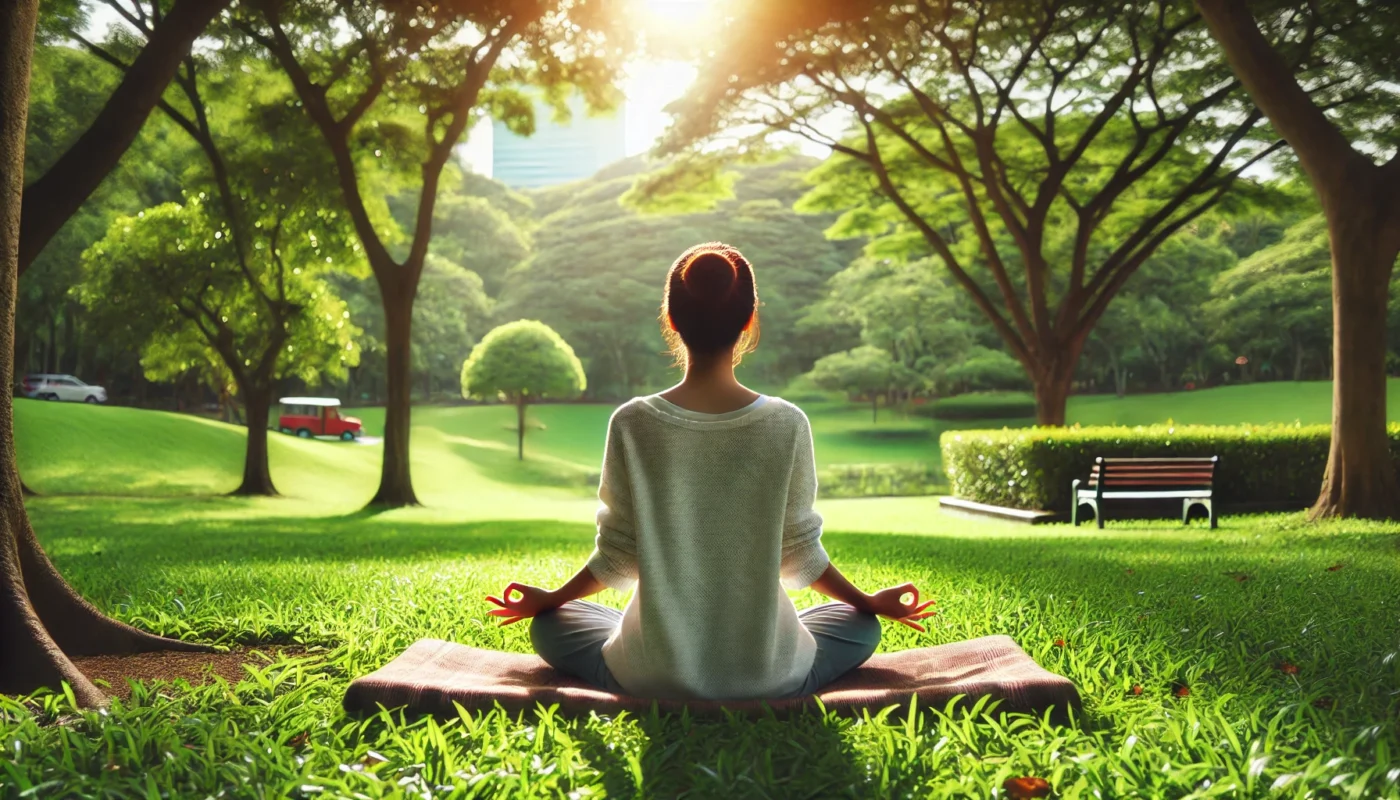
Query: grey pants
x=570 y=639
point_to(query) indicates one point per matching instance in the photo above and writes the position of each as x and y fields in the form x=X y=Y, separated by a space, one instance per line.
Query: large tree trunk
x=395 y=479
x=1362 y=204
x=1360 y=479
x=32 y=659
x=1052 y=396
x=42 y=620
x=257 y=477
x=57 y=194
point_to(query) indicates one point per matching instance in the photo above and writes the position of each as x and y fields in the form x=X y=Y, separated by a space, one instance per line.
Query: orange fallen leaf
x=1335 y=567
x=1137 y=688
x=1027 y=787
x=1288 y=668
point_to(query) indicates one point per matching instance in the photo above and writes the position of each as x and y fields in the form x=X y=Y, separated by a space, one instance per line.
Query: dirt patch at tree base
x=198 y=669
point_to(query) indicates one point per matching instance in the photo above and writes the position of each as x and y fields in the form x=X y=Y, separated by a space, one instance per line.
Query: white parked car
x=62 y=387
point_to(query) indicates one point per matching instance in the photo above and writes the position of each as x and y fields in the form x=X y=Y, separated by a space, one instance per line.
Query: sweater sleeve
x=804 y=558
x=614 y=558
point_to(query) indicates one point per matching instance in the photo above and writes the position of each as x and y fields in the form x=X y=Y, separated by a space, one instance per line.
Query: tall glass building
x=557 y=153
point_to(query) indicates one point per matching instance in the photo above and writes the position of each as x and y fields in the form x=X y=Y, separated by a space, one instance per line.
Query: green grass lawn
x=461 y=452
x=1140 y=604
x=1256 y=403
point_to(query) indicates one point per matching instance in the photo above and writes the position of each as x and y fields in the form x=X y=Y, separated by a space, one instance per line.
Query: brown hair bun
x=710 y=303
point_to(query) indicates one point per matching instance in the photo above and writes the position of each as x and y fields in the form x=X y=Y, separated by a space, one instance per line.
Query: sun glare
x=675 y=21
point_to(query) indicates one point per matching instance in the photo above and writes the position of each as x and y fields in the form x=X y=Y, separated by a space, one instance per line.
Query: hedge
x=880 y=480
x=1031 y=468
x=980 y=405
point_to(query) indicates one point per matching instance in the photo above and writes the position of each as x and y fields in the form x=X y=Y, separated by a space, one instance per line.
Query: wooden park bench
x=1190 y=479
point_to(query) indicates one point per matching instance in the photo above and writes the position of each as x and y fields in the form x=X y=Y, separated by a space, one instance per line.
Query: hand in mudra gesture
x=531 y=600
x=890 y=603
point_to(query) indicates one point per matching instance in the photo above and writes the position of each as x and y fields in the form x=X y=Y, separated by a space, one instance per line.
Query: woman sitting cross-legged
x=707 y=491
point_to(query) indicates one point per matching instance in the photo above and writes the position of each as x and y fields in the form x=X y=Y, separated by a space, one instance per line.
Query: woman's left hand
x=519 y=601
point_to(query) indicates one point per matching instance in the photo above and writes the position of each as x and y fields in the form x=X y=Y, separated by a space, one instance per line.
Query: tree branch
x=1323 y=151
x=313 y=97
x=56 y=195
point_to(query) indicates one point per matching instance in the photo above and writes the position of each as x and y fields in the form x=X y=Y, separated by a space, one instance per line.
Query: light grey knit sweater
x=709 y=516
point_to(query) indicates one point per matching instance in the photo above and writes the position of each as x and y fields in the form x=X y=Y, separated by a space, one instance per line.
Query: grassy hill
x=1308 y=402
x=464 y=462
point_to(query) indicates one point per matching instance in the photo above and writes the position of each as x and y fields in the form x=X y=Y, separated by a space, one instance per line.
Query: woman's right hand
x=521 y=601
x=890 y=603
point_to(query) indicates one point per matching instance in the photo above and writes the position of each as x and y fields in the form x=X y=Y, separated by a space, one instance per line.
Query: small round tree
x=864 y=370
x=519 y=362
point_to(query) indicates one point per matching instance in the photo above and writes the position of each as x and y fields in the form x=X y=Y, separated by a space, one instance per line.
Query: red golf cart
x=316 y=416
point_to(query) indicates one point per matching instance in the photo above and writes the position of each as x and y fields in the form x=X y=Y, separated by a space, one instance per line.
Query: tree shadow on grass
x=1109 y=609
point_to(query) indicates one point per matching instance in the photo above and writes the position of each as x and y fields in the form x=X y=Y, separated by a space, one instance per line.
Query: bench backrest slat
x=1156 y=473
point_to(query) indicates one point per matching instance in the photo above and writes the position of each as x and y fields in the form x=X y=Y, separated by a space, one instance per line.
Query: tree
x=432 y=67
x=1041 y=149
x=170 y=280
x=520 y=362
x=905 y=308
x=1276 y=306
x=863 y=370
x=1360 y=201
x=1156 y=329
x=984 y=369
x=42 y=620
x=169 y=32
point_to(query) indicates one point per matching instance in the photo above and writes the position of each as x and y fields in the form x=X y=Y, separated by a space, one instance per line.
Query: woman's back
x=710 y=516
x=709 y=511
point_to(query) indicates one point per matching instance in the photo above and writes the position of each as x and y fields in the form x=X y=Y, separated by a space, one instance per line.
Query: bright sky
x=651 y=84
x=649 y=87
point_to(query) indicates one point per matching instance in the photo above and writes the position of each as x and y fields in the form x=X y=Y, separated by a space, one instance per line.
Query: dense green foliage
x=1033 y=467
x=169 y=283
x=554 y=254
x=865 y=370
x=597 y=272
x=525 y=359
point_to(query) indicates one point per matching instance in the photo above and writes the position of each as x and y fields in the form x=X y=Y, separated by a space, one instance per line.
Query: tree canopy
x=1042 y=150
x=523 y=361
x=865 y=370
